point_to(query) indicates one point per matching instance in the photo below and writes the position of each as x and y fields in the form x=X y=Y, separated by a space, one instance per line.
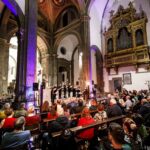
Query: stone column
x=4 y=50
x=50 y=78
x=46 y=68
x=30 y=45
x=21 y=63
x=85 y=49
x=54 y=77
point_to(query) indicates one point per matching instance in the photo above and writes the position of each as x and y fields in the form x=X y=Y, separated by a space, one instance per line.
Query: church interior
x=71 y=60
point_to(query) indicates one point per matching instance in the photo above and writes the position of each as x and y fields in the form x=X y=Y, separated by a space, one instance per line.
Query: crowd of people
x=131 y=133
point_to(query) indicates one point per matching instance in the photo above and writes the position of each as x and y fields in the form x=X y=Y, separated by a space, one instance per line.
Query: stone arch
x=99 y=67
x=74 y=15
x=13 y=6
x=44 y=53
x=45 y=46
x=65 y=65
x=70 y=37
x=59 y=38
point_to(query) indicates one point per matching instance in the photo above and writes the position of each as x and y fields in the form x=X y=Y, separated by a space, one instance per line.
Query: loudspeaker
x=35 y=86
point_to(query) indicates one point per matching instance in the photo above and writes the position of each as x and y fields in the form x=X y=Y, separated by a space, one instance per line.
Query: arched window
x=124 y=39
x=65 y=19
x=110 y=45
x=139 y=37
x=67 y=16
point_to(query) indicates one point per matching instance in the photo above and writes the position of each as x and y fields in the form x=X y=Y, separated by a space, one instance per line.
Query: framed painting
x=127 y=78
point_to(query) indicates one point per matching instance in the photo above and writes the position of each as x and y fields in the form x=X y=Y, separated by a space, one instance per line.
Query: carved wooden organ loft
x=126 y=40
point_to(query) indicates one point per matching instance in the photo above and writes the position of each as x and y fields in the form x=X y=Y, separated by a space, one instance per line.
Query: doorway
x=115 y=84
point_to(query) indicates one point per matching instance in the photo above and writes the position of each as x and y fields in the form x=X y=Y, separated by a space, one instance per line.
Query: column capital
x=54 y=55
x=85 y=17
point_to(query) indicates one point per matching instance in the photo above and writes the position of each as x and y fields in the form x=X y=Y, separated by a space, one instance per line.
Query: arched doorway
x=12 y=64
x=66 y=60
x=42 y=62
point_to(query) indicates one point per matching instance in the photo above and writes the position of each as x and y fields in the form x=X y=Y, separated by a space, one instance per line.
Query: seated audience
x=145 y=107
x=5 y=107
x=45 y=109
x=21 y=111
x=132 y=136
x=113 y=109
x=8 y=122
x=86 y=119
x=93 y=106
x=66 y=110
x=59 y=124
x=17 y=137
x=116 y=136
x=79 y=108
x=128 y=103
x=101 y=115
x=52 y=114
x=141 y=128
x=32 y=120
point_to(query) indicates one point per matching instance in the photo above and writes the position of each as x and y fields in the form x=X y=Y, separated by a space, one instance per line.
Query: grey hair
x=6 y=106
x=19 y=123
x=113 y=101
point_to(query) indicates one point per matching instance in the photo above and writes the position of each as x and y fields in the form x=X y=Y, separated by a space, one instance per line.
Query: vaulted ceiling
x=52 y=8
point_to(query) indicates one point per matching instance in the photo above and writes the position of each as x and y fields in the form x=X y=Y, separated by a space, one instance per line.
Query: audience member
x=45 y=109
x=128 y=103
x=21 y=111
x=17 y=137
x=113 y=109
x=52 y=114
x=32 y=120
x=93 y=106
x=62 y=122
x=116 y=136
x=141 y=129
x=8 y=122
x=86 y=119
x=145 y=107
x=2 y=111
x=132 y=135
